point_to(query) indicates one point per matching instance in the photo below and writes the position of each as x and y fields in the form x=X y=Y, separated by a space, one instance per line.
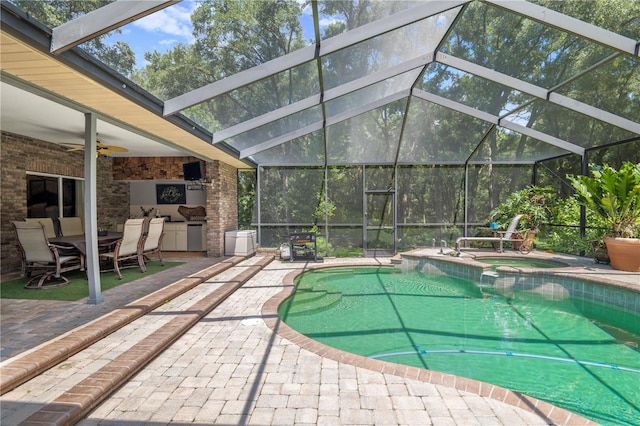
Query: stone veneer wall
x=21 y=154
x=149 y=168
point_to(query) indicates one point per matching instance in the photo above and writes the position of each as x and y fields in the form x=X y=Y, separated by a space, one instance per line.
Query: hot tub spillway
x=488 y=278
x=310 y=299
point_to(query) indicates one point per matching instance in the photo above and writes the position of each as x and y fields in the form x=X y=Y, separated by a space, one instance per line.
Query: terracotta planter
x=624 y=253
x=600 y=254
x=526 y=245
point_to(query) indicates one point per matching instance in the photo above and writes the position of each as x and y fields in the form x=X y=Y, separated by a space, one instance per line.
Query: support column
x=583 y=209
x=222 y=205
x=90 y=209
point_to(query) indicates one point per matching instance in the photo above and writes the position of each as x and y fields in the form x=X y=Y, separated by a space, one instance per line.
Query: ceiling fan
x=101 y=148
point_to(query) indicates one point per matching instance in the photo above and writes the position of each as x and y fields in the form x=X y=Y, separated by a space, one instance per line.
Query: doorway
x=379 y=224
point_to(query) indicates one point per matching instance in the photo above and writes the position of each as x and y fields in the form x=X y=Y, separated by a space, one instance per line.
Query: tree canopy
x=52 y=13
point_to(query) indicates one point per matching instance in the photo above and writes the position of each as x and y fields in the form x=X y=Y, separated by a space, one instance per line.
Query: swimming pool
x=572 y=352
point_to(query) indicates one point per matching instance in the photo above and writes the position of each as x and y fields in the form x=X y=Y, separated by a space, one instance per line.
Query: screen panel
x=290 y=195
x=368 y=138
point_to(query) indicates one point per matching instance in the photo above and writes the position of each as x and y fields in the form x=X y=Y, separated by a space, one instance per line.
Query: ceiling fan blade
x=111 y=149
x=73 y=146
x=101 y=148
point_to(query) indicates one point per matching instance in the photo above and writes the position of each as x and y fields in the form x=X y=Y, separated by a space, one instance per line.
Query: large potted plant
x=614 y=196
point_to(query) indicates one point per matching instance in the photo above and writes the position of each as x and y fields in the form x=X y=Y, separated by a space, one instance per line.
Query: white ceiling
x=28 y=114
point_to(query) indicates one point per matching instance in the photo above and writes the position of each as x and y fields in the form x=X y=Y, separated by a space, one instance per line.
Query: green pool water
x=575 y=354
x=521 y=262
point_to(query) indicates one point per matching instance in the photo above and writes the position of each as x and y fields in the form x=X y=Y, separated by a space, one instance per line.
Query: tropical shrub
x=564 y=236
x=613 y=196
x=534 y=202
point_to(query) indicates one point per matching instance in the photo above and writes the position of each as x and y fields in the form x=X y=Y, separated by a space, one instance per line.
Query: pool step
x=309 y=299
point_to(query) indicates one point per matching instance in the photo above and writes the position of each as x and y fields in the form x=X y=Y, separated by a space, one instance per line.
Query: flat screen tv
x=193 y=171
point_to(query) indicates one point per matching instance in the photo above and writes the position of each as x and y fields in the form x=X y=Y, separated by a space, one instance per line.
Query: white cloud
x=168 y=41
x=307 y=9
x=173 y=21
x=325 y=22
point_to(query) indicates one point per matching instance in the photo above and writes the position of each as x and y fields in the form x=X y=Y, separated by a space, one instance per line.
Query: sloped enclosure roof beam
x=594 y=112
x=267 y=118
x=237 y=80
x=489 y=74
x=312 y=101
x=308 y=54
x=569 y=24
x=364 y=108
x=542 y=136
x=272 y=143
x=539 y=92
x=456 y=106
x=101 y=21
x=319 y=125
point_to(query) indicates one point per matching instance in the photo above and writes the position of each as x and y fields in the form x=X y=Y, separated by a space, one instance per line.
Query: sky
x=164 y=29
x=159 y=31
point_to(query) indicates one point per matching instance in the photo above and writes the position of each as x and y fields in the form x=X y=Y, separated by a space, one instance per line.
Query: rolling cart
x=303 y=246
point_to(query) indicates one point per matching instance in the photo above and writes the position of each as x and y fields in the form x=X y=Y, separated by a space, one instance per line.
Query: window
x=54 y=196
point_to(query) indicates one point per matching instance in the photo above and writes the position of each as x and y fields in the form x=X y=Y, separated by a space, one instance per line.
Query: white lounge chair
x=510 y=235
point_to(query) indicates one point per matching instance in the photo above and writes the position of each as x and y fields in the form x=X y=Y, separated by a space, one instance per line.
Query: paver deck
x=231 y=368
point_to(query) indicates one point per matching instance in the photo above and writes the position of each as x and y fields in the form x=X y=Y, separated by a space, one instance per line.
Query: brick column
x=222 y=205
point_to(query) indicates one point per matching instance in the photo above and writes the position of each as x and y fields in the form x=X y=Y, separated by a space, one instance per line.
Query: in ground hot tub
x=521 y=262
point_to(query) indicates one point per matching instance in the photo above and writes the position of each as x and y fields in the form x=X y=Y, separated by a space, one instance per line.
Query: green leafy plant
x=613 y=195
x=533 y=202
x=567 y=238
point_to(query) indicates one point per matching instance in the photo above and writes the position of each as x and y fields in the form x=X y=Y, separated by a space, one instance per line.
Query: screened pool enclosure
x=385 y=125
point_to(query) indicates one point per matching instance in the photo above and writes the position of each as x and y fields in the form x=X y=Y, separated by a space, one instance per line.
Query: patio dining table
x=79 y=242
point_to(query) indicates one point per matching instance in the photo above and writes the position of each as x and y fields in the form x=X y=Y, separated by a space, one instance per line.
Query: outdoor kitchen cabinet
x=175 y=237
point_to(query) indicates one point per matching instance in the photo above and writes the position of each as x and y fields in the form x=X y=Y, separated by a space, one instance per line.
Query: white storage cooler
x=240 y=243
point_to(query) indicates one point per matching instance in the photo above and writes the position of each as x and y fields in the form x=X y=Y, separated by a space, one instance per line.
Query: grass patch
x=78 y=287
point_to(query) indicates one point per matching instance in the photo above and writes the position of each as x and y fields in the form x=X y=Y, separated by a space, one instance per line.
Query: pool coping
x=575 y=270
x=270 y=315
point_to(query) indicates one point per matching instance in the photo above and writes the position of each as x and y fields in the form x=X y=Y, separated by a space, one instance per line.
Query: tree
x=246 y=197
x=53 y=13
x=232 y=36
